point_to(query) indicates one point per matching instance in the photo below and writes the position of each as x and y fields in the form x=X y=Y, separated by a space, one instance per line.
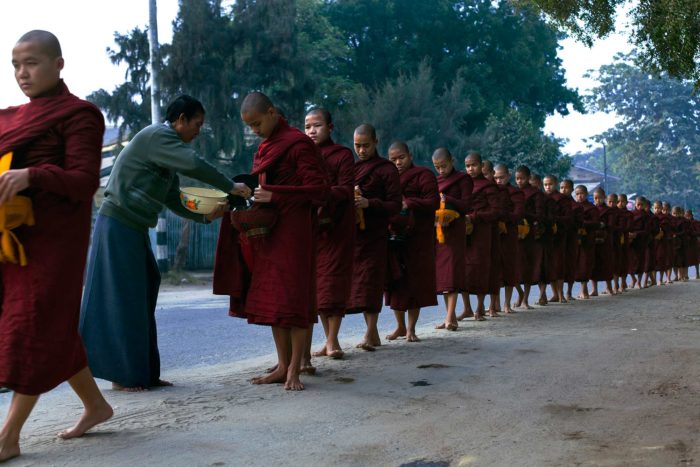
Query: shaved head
x=442 y=153
x=46 y=40
x=501 y=168
x=488 y=165
x=399 y=145
x=256 y=102
x=475 y=156
x=323 y=113
x=366 y=130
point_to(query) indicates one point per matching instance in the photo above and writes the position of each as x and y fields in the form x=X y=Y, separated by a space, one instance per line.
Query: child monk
x=530 y=249
x=638 y=237
x=604 y=264
x=415 y=286
x=496 y=278
x=559 y=228
x=662 y=244
x=618 y=241
x=590 y=223
x=566 y=188
x=450 y=268
x=624 y=223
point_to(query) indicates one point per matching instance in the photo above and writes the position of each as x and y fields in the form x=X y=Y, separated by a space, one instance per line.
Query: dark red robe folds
x=484 y=212
x=624 y=222
x=450 y=266
x=511 y=259
x=639 y=237
x=496 y=277
x=562 y=219
x=530 y=247
x=59 y=138
x=654 y=230
x=415 y=288
x=336 y=241
x=379 y=182
x=605 y=267
x=682 y=240
x=664 y=246
x=277 y=285
x=572 y=240
x=693 y=248
x=590 y=223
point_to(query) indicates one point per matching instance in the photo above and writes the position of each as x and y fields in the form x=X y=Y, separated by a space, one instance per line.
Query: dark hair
x=569 y=182
x=523 y=169
x=582 y=187
x=184 y=104
x=325 y=114
x=599 y=190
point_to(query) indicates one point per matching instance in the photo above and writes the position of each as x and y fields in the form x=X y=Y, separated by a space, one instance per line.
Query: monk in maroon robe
x=617 y=241
x=377 y=198
x=544 y=239
x=694 y=249
x=56 y=143
x=562 y=218
x=590 y=223
x=566 y=188
x=336 y=240
x=413 y=246
x=668 y=260
x=638 y=237
x=511 y=259
x=496 y=277
x=530 y=248
x=450 y=268
x=604 y=265
x=624 y=225
x=271 y=278
x=665 y=241
x=683 y=234
x=655 y=236
x=483 y=215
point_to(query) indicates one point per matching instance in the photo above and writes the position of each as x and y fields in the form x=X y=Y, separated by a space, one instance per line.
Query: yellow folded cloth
x=18 y=211
x=502 y=228
x=523 y=229
x=554 y=228
x=443 y=218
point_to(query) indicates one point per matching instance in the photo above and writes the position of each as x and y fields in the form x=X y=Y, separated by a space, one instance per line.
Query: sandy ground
x=614 y=381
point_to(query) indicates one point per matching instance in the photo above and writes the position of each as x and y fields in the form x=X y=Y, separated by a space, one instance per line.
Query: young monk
x=590 y=223
x=562 y=220
x=450 y=267
x=625 y=224
x=682 y=239
x=618 y=241
x=52 y=146
x=660 y=250
x=274 y=278
x=415 y=286
x=496 y=279
x=638 y=237
x=668 y=260
x=530 y=249
x=653 y=239
x=566 y=188
x=511 y=259
x=604 y=264
x=694 y=250
x=334 y=250
x=377 y=198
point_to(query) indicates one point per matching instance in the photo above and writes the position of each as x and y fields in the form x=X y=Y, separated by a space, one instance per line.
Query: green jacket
x=144 y=178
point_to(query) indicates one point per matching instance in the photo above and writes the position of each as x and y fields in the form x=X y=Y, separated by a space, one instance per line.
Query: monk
x=618 y=240
x=590 y=223
x=544 y=238
x=483 y=215
x=668 y=260
x=450 y=267
x=566 y=188
x=377 y=198
x=496 y=281
x=51 y=155
x=413 y=247
x=530 y=248
x=662 y=244
x=624 y=223
x=511 y=260
x=335 y=247
x=272 y=280
x=682 y=232
x=654 y=237
x=561 y=221
x=638 y=237
x=604 y=265
x=694 y=250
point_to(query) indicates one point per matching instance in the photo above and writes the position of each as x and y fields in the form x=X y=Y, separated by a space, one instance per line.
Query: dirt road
x=614 y=381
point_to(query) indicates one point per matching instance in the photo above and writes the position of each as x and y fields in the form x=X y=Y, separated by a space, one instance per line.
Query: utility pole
x=161 y=227
x=605 y=169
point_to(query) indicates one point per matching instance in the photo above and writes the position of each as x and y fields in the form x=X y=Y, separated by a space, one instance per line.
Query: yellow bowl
x=201 y=200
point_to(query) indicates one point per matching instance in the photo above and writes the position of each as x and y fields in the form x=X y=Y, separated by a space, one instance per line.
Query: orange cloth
x=443 y=217
x=16 y=212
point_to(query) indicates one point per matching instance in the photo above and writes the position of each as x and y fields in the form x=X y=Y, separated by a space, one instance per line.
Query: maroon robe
x=450 y=266
x=624 y=222
x=664 y=247
x=379 y=182
x=336 y=241
x=572 y=239
x=496 y=276
x=274 y=284
x=511 y=259
x=682 y=240
x=693 y=249
x=590 y=223
x=639 y=236
x=530 y=247
x=59 y=138
x=653 y=229
x=484 y=212
x=604 y=267
x=415 y=288
x=562 y=219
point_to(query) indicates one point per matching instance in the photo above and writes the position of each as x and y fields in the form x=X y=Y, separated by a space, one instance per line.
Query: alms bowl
x=202 y=200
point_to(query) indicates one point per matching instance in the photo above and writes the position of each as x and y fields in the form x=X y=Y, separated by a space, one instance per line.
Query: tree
x=666 y=32
x=656 y=146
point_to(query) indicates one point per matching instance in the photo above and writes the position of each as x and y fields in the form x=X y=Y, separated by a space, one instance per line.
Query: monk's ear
x=60 y=63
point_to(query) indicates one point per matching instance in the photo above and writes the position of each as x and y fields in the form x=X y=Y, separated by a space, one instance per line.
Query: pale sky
x=86 y=28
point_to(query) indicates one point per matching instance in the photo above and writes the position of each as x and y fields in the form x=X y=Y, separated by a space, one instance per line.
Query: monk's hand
x=241 y=189
x=404 y=205
x=12 y=182
x=221 y=208
x=361 y=202
x=262 y=195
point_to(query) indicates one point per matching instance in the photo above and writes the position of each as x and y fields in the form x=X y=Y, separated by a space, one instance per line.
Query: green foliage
x=666 y=32
x=656 y=146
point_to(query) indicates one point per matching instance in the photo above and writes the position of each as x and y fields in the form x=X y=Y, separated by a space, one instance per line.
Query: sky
x=86 y=28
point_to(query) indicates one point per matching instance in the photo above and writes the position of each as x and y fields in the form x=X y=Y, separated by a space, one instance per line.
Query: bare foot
x=465 y=314
x=336 y=354
x=162 y=383
x=364 y=345
x=119 y=387
x=293 y=383
x=441 y=326
x=554 y=300
x=307 y=369
x=279 y=375
x=90 y=418
x=8 y=450
x=479 y=317
x=396 y=334
x=447 y=326
x=322 y=352
x=411 y=337
x=570 y=298
x=493 y=314
x=564 y=300
x=271 y=369
x=509 y=311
